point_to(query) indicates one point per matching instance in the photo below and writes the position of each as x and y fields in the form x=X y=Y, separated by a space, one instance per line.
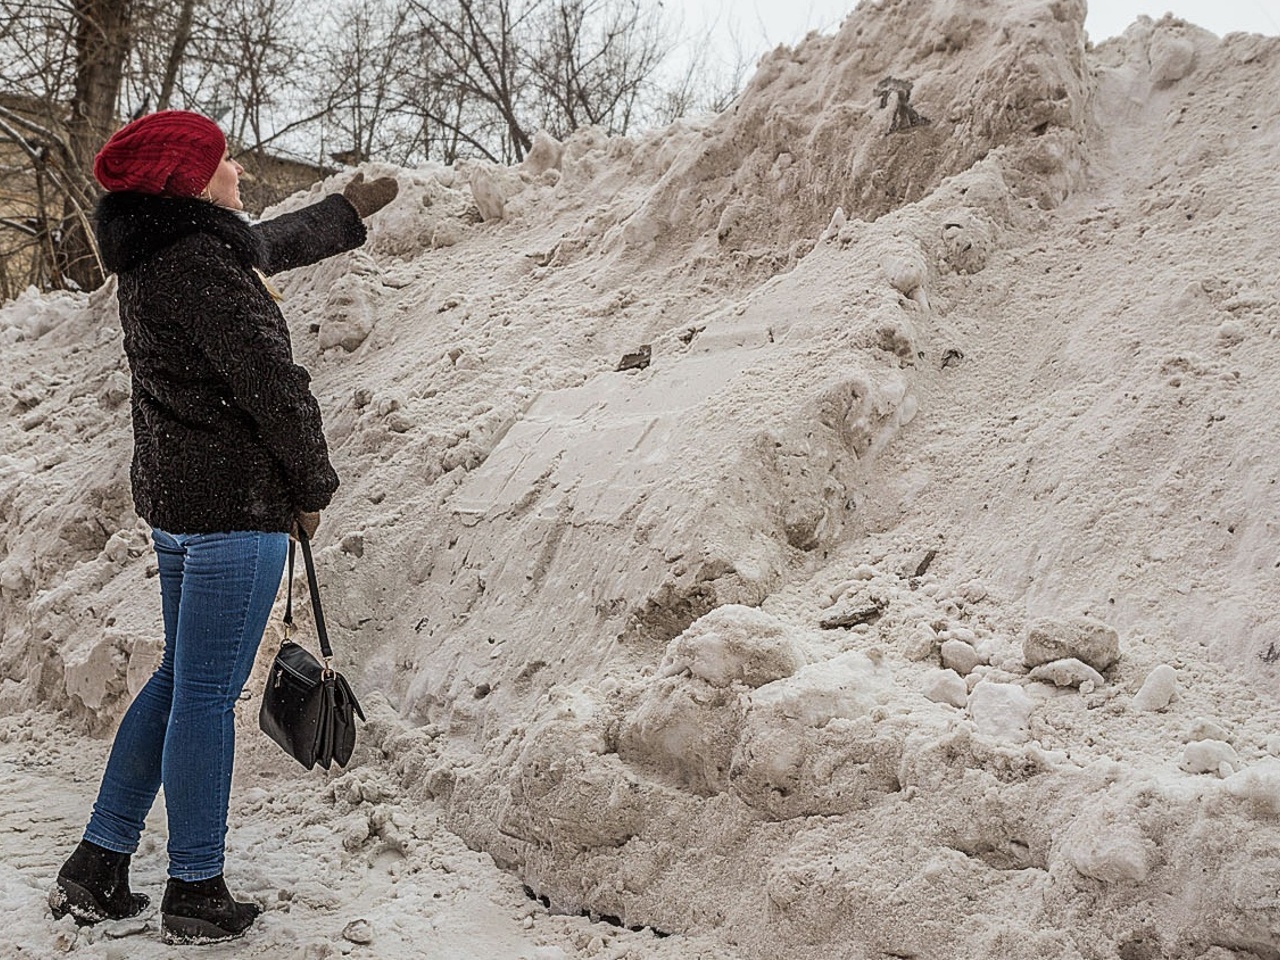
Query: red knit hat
x=173 y=152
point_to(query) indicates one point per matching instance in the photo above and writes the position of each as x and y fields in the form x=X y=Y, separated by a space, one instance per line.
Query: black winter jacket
x=227 y=435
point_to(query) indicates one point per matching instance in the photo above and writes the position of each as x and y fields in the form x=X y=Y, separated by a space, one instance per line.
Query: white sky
x=756 y=26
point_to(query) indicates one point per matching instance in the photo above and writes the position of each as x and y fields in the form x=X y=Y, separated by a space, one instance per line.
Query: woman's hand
x=369 y=198
x=306 y=521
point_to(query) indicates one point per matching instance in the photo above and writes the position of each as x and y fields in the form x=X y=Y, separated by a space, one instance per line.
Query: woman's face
x=224 y=188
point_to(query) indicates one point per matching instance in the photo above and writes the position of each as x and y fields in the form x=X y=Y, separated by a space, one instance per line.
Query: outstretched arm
x=331 y=226
x=308 y=235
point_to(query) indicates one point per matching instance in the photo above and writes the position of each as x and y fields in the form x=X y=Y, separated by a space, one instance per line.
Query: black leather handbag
x=307 y=706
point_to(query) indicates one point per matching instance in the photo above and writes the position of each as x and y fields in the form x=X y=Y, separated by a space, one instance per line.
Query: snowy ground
x=914 y=596
x=375 y=878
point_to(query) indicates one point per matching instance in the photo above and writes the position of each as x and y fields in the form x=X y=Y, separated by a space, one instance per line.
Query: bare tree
x=363 y=77
x=477 y=47
x=403 y=80
x=260 y=58
x=177 y=52
x=70 y=65
x=592 y=62
x=66 y=64
x=510 y=67
x=706 y=82
x=103 y=35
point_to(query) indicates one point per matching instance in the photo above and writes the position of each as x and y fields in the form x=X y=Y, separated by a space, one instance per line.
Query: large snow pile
x=846 y=526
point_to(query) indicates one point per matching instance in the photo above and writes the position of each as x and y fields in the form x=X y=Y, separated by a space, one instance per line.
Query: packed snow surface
x=846 y=526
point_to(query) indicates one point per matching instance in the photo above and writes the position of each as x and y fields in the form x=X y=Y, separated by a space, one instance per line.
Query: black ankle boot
x=93 y=885
x=202 y=911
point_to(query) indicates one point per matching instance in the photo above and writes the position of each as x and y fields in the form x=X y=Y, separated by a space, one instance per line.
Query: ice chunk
x=1259 y=783
x=1069 y=672
x=1083 y=638
x=1001 y=710
x=959 y=656
x=946 y=686
x=1111 y=853
x=1157 y=690
x=1210 y=756
x=731 y=643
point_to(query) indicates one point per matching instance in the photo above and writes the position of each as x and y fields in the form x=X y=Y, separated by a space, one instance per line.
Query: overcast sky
x=759 y=25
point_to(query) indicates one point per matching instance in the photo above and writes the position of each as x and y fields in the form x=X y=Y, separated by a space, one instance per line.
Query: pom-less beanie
x=172 y=152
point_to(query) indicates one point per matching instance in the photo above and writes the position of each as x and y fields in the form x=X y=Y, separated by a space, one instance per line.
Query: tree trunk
x=181 y=37
x=103 y=36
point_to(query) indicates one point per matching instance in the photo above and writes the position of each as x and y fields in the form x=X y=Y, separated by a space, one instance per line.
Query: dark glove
x=369 y=198
x=306 y=521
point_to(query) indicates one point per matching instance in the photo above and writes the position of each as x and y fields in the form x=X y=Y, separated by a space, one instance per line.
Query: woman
x=228 y=457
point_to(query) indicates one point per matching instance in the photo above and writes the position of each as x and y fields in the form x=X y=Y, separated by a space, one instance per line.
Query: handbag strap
x=326 y=650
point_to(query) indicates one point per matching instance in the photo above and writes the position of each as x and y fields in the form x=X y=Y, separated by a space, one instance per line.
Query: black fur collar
x=131 y=227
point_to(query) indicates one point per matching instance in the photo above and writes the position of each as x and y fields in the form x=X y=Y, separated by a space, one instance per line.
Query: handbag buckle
x=288 y=630
x=328 y=668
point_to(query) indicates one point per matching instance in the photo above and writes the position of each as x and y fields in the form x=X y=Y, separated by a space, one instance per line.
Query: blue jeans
x=216 y=590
